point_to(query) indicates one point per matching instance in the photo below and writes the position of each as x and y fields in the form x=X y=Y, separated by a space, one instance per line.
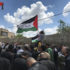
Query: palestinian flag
x=35 y=39
x=29 y=25
x=1 y=4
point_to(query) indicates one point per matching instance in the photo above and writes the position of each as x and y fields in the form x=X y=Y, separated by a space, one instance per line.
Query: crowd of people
x=37 y=56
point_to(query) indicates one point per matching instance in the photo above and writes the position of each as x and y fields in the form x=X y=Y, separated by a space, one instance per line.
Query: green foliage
x=63 y=27
x=19 y=35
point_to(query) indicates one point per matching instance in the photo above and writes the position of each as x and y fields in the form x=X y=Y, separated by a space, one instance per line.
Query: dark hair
x=43 y=47
x=26 y=53
x=67 y=50
x=41 y=32
x=19 y=47
x=10 y=48
x=26 y=48
x=0 y=50
x=47 y=44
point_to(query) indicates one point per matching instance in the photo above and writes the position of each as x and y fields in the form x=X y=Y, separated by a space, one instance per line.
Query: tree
x=63 y=27
x=19 y=36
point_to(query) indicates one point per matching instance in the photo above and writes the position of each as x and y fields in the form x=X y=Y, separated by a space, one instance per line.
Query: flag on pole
x=1 y=4
x=35 y=39
x=29 y=25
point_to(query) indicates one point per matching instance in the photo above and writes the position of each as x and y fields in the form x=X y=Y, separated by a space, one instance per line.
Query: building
x=6 y=34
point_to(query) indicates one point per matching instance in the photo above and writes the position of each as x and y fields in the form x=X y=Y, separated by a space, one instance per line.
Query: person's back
x=8 y=55
x=50 y=51
x=48 y=63
x=35 y=65
x=44 y=59
x=38 y=66
x=66 y=53
x=67 y=62
x=19 y=64
x=4 y=64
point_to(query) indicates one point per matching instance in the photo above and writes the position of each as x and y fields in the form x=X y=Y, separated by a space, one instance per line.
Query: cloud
x=9 y=29
x=14 y=29
x=50 y=6
x=11 y=19
x=25 y=13
x=1 y=26
x=66 y=9
x=49 y=31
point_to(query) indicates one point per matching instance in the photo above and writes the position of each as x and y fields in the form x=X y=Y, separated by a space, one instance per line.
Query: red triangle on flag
x=35 y=23
x=1 y=3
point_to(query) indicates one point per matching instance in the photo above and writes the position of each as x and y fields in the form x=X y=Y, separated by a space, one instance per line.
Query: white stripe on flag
x=27 y=25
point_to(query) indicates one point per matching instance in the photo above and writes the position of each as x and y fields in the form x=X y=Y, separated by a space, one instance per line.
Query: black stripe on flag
x=35 y=37
x=29 y=20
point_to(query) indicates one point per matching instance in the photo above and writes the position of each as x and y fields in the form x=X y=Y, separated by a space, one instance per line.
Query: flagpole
x=37 y=25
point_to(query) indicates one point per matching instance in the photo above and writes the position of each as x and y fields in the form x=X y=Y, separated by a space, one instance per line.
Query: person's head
x=32 y=47
x=6 y=44
x=42 y=48
x=65 y=50
x=39 y=49
x=53 y=46
x=0 y=50
x=47 y=45
x=0 y=44
x=18 y=47
x=31 y=61
x=60 y=47
x=44 y=55
x=25 y=54
x=26 y=47
x=10 y=48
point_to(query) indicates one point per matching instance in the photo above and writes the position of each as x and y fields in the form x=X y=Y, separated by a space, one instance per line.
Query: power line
x=54 y=15
x=48 y=17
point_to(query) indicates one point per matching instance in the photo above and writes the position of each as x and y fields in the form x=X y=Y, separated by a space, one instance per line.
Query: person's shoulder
x=35 y=66
x=49 y=49
x=4 y=60
x=19 y=59
x=68 y=58
x=38 y=66
x=51 y=62
x=47 y=61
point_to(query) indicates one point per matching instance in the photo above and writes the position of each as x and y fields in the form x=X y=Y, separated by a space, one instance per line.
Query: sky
x=17 y=11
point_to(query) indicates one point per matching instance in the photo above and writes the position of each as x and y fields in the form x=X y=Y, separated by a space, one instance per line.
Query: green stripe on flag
x=33 y=41
x=28 y=29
